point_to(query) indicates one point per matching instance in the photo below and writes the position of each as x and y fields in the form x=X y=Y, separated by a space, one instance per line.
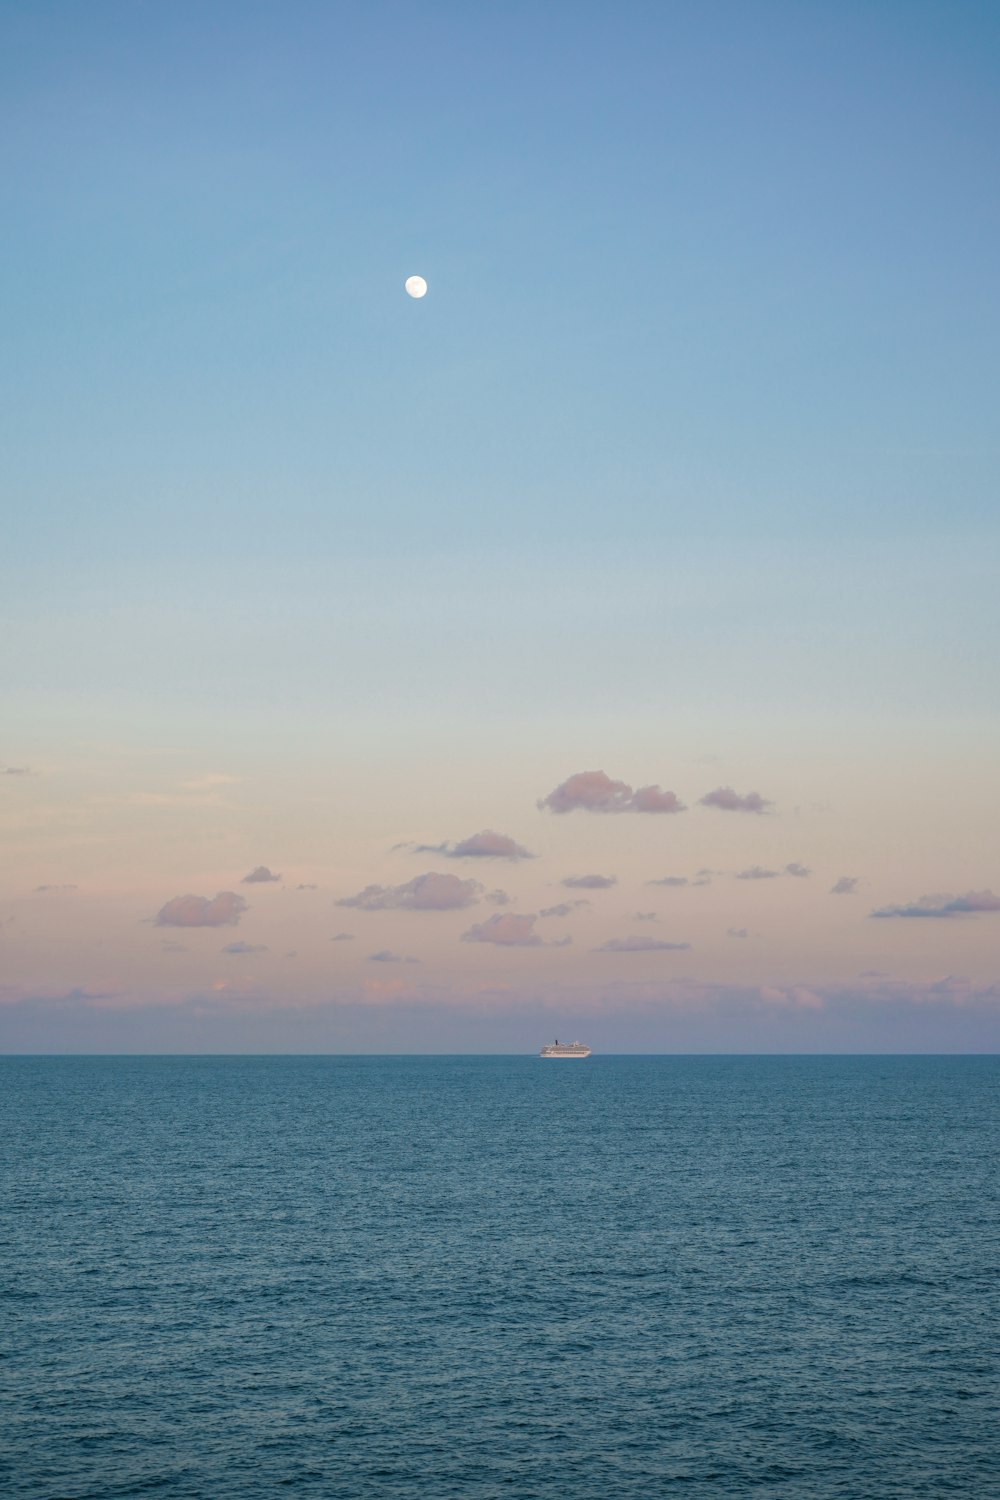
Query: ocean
x=473 y=1277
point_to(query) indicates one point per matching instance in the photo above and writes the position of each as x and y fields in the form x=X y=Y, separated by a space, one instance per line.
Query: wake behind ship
x=565 y=1049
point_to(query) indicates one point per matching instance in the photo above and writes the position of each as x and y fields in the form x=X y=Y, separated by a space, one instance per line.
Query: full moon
x=416 y=286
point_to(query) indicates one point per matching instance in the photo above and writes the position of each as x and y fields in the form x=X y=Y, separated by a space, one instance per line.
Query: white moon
x=416 y=286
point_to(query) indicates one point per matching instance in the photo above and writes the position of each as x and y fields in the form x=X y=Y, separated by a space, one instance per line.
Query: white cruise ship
x=565 y=1049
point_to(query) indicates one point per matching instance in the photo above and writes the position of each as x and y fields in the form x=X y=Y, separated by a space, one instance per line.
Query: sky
x=603 y=645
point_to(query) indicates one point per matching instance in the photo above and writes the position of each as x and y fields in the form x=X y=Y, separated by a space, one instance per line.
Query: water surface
x=481 y=1277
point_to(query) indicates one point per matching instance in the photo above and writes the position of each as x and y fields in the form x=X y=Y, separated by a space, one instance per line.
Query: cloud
x=729 y=801
x=485 y=845
x=669 y=880
x=497 y=898
x=245 y=948
x=594 y=791
x=563 y=909
x=386 y=956
x=791 y=997
x=170 y=945
x=645 y=916
x=590 y=882
x=260 y=876
x=756 y=873
x=737 y=932
x=430 y=892
x=17 y=771
x=224 y=910
x=638 y=945
x=342 y=937
x=505 y=931
x=846 y=886
x=307 y=887
x=799 y=871
x=41 y=889
x=943 y=906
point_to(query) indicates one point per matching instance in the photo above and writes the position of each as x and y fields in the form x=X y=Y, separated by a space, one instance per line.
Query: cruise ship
x=565 y=1049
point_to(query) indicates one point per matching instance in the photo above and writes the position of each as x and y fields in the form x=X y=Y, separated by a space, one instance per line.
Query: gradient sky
x=684 y=471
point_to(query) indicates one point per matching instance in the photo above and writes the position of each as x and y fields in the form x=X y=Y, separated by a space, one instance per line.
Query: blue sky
x=688 y=458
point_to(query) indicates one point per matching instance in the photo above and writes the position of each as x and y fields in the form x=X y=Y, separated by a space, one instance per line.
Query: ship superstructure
x=565 y=1049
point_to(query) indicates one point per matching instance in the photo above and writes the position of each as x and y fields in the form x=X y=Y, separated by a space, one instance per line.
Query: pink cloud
x=729 y=801
x=846 y=886
x=223 y=910
x=260 y=876
x=430 y=892
x=944 y=906
x=506 y=930
x=638 y=945
x=590 y=882
x=650 y=799
x=594 y=791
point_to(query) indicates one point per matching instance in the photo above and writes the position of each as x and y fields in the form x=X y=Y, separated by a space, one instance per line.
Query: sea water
x=472 y=1277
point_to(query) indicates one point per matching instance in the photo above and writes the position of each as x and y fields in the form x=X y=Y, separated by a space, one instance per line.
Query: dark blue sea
x=475 y=1277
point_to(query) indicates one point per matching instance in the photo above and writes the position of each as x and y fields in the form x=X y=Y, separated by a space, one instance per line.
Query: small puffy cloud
x=505 y=930
x=594 y=791
x=307 y=887
x=484 y=845
x=245 y=948
x=799 y=871
x=386 y=956
x=430 y=892
x=223 y=910
x=737 y=932
x=497 y=898
x=590 y=882
x=669 y=880
x=944 y=906
x=639 y=945
x=846 y=886
x=17 y=770
x=755 y=872
x=563 y=908
x=729 y=801
x=650 y=799
x=260 y=876
x=342 y=937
